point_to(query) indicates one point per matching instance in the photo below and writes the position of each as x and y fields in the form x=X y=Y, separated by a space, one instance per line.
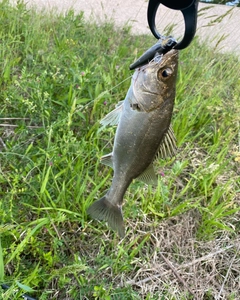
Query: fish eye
x=164 y=73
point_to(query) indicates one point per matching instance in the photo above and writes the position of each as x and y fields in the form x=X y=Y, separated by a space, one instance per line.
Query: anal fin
x=148 y=176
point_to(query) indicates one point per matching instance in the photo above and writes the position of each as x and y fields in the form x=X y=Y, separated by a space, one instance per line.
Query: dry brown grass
x=187 y=266
x=173 y=263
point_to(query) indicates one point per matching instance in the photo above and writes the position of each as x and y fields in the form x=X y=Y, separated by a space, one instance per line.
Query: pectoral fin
x=113 y=117
x=107 y=160
x=148 y=176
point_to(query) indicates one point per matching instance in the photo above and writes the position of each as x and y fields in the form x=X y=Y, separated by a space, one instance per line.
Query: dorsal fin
x=168 y=146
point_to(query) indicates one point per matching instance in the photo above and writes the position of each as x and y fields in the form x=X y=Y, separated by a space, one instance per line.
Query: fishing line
x=105 y=92
x=80 y=109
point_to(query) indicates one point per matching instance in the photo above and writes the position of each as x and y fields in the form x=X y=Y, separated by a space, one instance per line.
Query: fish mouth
x=161 y=58
x=172 y=54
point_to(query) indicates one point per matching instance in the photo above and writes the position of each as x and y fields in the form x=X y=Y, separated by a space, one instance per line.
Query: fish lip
x=164 y=58
x=172 y=54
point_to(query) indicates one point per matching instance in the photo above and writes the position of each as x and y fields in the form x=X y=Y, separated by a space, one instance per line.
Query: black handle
x=189 y=11
x=176 y=4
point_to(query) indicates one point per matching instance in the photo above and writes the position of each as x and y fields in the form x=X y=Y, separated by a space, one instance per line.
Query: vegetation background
x=60 y=74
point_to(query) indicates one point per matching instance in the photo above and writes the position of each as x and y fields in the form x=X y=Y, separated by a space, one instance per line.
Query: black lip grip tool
x=165 y=44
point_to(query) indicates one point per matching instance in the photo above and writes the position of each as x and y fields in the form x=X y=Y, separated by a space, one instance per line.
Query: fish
x=143 y=133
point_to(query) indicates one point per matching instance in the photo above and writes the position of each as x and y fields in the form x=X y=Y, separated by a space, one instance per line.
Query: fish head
x=155 y=83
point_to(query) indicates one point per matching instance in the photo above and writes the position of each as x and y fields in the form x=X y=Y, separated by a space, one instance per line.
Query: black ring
x=190 y=18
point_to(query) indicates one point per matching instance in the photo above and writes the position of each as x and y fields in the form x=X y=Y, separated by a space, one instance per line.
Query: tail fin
x=105 y=210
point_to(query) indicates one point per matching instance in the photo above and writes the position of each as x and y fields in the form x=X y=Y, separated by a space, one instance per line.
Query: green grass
x=59 y=76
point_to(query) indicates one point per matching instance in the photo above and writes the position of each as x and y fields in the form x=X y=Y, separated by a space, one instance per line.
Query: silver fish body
x=144 y=122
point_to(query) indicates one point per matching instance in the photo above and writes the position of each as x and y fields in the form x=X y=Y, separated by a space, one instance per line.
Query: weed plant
x=59 y=76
